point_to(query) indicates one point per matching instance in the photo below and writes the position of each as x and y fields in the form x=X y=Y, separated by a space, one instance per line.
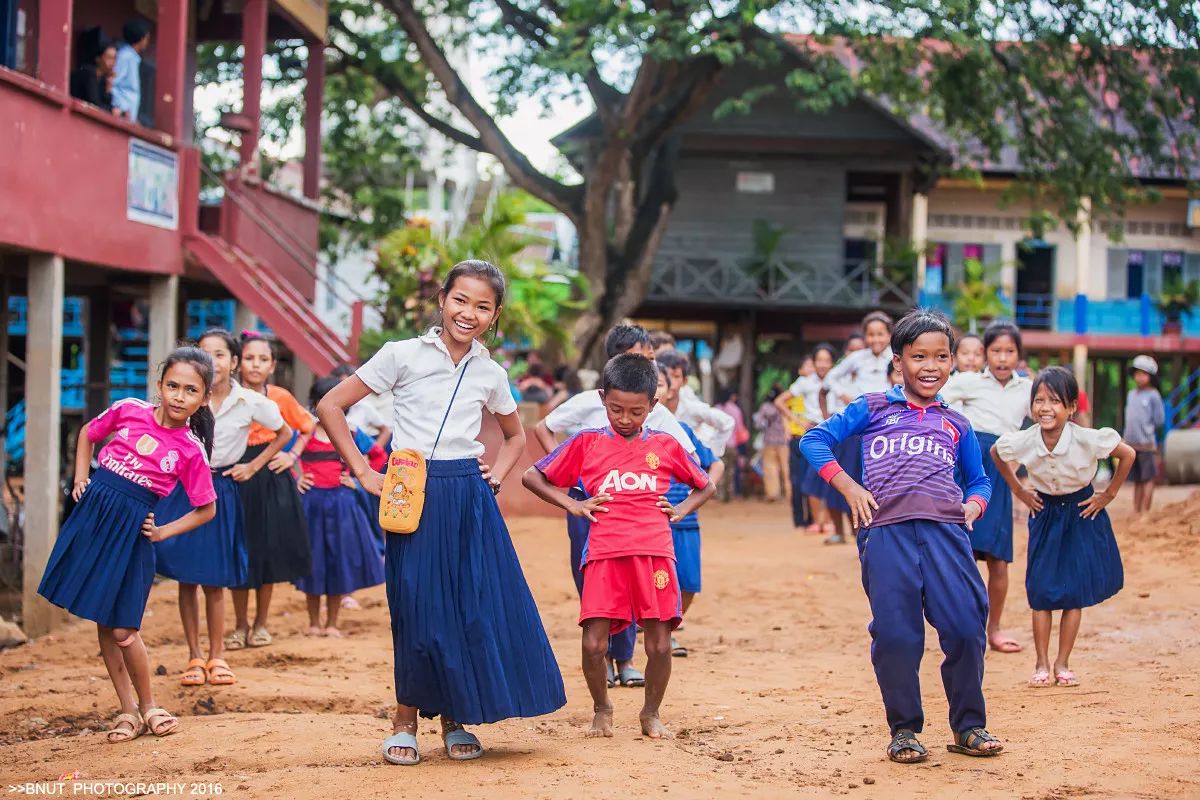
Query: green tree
x=1074 y=100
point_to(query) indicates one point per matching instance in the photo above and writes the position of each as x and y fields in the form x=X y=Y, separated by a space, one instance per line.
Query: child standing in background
x=770 y=421
x=214 y=556
x=969 y=354
x=277 y=548
x=808 y=389
x=860 y=371
x=1144 y=416
x=996 y=402
x=1073 y=557
x=913 y=540
x=344 y=555
x=467 y=639
x=102 y=565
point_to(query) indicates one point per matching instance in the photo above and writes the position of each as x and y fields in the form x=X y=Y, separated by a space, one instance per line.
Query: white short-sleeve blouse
x=1070 y=466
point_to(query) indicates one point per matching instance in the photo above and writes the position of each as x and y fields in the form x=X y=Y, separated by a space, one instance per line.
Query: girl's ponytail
x=204 y=425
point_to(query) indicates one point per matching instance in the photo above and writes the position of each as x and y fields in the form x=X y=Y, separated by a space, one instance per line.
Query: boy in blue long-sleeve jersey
x=912 y=535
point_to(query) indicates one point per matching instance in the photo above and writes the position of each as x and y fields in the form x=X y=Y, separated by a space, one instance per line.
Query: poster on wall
x=152 y=195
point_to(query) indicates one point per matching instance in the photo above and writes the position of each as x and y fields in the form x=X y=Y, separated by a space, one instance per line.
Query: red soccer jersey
x=635 y=473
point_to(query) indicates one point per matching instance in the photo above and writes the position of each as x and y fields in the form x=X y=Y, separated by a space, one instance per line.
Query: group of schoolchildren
x=902 y=463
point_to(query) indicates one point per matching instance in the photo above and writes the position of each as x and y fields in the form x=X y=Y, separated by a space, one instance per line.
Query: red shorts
x=631 y=589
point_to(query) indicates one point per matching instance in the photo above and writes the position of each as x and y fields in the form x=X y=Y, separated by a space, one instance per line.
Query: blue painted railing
x=1182 y=404
x=1035 y=311
x=18 y=316
x=14 y=427
x=1135 y=317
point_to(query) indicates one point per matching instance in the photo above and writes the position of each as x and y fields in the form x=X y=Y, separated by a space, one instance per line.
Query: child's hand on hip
x=372 y=481
x=862 y=505
x=588 y=508
x=972 y=512
x=344 y=479
x=1094 y=505
x=240 y=472
x=305 y=483
x=281 y=462
x=672 y=513
x=1031 y=501
x=150 y=530
x=486 y=471
x=80 y=488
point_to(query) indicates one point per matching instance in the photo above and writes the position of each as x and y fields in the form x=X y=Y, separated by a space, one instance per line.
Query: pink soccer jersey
x=150 y=455
x=636 y=474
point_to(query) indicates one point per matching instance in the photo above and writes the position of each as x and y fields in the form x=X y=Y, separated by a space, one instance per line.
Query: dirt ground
x=777 y=698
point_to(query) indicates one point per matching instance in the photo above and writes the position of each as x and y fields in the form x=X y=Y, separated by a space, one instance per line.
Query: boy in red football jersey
x=629 y=560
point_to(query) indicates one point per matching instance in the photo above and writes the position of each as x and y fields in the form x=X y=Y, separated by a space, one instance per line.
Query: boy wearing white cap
x=1144 y=415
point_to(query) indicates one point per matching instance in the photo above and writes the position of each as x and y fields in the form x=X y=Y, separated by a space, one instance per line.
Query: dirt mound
x=1175 y=527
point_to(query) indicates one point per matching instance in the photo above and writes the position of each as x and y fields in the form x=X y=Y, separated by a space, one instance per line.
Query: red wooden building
x=99 y=207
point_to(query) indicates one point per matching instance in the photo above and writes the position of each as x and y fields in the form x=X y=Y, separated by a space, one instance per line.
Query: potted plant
x=977 y=301
x=1178 y=298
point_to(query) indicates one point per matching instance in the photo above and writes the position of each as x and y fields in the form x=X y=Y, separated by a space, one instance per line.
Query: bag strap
x=450 y=406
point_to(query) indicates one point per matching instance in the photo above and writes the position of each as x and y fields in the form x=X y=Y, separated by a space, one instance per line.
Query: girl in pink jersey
x=102 y=565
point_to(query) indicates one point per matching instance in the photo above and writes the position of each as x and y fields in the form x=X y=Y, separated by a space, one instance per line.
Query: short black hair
x=623 y=338
x=827 y=347
x=135 y=30
x=660 y=338
x=878 y=316
x=1002 y=327
x=673 y=359
x=726 y=394
x=917 y=322
x=320 y=388
x=630 y=373
x=1060 y=382
x=227 y=338
x=851 y=338
x=963 y=338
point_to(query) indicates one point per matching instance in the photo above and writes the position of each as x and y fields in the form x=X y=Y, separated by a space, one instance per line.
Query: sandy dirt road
x=776 y=700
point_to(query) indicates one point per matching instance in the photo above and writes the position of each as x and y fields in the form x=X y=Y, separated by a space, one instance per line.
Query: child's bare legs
x=1068 y=629
x=595 y=652
x=241 y=610
x=333 y=604
x=1147 y=489
x=262 y=605
x=129 y=668
x=214 y=615
x=313 y=601
x=688 y=597
x=657 y=635
x=1042 y=620
x=403 y=721
x=997 y=586
x=189 y=615
x=114 y=662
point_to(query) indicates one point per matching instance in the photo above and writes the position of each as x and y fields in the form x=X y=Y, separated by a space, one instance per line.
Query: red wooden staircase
x=269 y=295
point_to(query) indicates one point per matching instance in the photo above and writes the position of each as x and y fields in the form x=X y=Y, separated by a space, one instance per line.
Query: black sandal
x=969 y=741
x=905 y=739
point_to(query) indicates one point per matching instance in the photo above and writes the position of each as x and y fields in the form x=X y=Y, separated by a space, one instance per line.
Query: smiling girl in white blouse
x=468 y=642
x=1073 y=560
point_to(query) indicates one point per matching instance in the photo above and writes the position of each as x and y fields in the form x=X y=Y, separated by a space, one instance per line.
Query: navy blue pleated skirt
x=213 y=554
x=468 y=640
x=345 y=557
x=276 y=534
x=992 y=534
x=370 y=507
x=849 y=456
x=1073 y=562
x=102 y=567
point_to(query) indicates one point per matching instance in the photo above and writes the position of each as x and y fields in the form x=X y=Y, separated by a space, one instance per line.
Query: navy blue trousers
x=920 y=570
x=621 y=646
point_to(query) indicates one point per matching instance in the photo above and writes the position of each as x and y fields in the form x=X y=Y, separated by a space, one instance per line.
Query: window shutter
x=1118 y=268
x=953 y=274
x=1153 y=273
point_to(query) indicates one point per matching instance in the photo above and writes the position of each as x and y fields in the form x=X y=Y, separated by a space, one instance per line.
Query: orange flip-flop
x=219 y=673
x=195 y=674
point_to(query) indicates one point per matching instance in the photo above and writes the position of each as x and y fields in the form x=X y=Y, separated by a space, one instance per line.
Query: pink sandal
x=1064 y=677
x=1040 y=679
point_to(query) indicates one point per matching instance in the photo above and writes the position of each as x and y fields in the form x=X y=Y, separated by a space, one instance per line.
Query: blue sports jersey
x=908 y=454
x=680 y=491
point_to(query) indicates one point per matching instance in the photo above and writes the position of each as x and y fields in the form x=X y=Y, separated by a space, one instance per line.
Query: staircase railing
x=1182 y=404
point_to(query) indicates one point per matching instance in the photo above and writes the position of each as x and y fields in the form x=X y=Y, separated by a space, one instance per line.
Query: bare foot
x=653 y=727
x=313 y=630
x=602 y=724
x=333 y=632
x=405 y=754
x=1003 y=643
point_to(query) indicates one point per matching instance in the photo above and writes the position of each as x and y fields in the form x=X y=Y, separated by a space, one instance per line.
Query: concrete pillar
x=254 y=39
x=1008 y=270
x=314 y=92
x=1083 y=260
x=243 y=319
x=54 y=31
x=920 y=236
x=164 y=327
x=43 y=404
x=302 y=380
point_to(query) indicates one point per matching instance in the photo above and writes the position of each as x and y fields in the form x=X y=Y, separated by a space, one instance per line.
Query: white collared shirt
x=1070 y=466
x=585 y=411
x=713 y=426
x=990 y=406
x=242 y=407
x=858 y=373
x=420 y=375
x=808 y=387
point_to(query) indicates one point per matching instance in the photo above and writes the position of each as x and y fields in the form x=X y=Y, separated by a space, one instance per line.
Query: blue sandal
x=461 y=736
x=401 y=739
x=631 y=677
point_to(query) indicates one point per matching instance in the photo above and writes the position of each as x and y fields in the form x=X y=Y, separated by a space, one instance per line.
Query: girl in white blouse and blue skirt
x=468 y=642
x=1073 y=557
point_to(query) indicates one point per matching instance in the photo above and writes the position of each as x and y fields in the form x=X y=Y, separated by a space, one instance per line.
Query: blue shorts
x=687 y=557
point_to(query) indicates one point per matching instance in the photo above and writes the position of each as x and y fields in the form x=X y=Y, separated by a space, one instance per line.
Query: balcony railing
x=1134 y=317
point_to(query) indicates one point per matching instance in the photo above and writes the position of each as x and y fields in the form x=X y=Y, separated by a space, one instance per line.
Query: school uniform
x=102 y=567
x=344 y=554
x=858 y=373
x=1072 y=562
x=809 y=389
x=993 y=410
x=685 y=534
x=585 y=411
x=916 y=554
x=629 y=562
x=277 y=543
x=215 y=553
x=467 y=638
x=711 y=426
